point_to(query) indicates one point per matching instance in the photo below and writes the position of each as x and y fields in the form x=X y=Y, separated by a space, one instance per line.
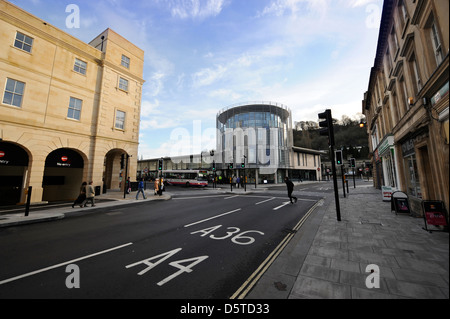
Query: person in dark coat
x=290 y=188
x=82 y=197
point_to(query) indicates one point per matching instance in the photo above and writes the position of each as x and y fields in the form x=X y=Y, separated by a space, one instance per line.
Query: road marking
x=231 y=197
x=248 y=285
x=214 y=217
x=199 y=197
x=265 y=201
x=62 y=264
x=279 y=207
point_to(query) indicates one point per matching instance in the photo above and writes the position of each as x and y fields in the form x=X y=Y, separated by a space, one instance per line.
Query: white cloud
x=201 y=9
x=208 y=76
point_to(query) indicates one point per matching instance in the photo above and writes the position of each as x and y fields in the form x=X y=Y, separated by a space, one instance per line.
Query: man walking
x=140 y=189
x=290 y=188
x=90 y=195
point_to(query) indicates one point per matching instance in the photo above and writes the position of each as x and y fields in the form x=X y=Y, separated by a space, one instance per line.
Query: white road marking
x=277 y=208
x=265 y=201
x=62 y=264
x=231 y=197
x=214 y=217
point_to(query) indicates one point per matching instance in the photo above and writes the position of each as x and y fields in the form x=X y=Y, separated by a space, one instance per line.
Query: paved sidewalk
x=115 y=199
x=327 y=259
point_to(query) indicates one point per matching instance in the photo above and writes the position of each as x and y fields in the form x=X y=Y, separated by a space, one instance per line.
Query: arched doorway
x=114 y=169
x=13 y=173
x=63 y=175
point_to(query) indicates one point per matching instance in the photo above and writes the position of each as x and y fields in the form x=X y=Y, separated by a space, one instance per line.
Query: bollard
x=27 y=207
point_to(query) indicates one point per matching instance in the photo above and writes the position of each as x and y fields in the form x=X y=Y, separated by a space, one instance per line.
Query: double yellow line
x=248 y=285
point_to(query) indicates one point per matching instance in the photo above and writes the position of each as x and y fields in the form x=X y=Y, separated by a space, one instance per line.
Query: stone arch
x=14 y=162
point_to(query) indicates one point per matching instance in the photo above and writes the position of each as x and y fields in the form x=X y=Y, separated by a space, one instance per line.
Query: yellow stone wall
x=41 y=125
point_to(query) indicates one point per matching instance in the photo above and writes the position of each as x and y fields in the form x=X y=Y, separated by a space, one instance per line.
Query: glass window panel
x=10 y=84
x=20 y=86
x=17 y=100
x=7 y=99
x=20 y=36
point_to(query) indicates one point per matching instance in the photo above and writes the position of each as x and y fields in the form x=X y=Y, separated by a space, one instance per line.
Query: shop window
x=412 y=176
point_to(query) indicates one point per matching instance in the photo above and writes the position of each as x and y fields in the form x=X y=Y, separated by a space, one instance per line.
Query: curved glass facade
x=258 y=133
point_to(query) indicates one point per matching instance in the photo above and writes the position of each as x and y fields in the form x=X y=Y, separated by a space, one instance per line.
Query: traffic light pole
x=329 y=131
x=343 y=179
x=336 y=193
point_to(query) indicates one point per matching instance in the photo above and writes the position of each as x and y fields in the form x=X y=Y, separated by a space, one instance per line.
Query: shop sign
x=385 y=145
x=2 y=160
x=443 y=92
x=12 y=155
x=387 y=193
x=434 y=213
x=408 y=148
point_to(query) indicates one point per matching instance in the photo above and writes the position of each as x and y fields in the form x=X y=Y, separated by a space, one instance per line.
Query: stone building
x=407 y=104
x=69 y=110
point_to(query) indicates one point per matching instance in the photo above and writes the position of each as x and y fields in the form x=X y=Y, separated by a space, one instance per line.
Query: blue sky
x=204 y=55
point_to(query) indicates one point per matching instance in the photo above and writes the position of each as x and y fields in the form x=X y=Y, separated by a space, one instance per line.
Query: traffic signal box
x=327 y=126
x=339 y=158
x=160 y=165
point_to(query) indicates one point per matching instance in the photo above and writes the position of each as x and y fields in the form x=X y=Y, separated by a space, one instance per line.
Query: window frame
x=119 y=121
x=23 y=42
x=121 y=86
x=14 y=93
x=80 y=67
x=74 y=109
x=125 y=63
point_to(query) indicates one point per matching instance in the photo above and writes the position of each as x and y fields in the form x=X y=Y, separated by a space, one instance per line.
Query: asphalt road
x=199 y=245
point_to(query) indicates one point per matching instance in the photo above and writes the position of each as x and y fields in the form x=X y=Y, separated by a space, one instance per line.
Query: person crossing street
x=290 y=188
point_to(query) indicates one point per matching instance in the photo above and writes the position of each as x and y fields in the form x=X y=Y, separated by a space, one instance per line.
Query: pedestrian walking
x=90 y=195
x=290 y=188
x=140 y=189
x=82 y=197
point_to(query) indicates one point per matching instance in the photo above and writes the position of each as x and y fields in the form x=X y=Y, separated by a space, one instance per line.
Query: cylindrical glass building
x=256 y=136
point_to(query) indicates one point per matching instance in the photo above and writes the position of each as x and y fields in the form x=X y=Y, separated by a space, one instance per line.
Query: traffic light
x=243 y=165
x=352 y=162
x=231 y=166
x=122 y=161
x=160 y=164
x=214 y=166
x=327 y=126
x=339 y=158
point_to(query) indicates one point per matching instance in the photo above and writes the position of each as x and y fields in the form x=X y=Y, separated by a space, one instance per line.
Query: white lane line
x=198 y=197
x=231 y=197
x=62 y=264
x=214 y=217
x=277 y=208
x=265 y=201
